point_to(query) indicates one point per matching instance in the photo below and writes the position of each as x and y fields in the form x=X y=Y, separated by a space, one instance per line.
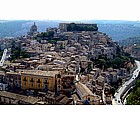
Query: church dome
x=33 y=28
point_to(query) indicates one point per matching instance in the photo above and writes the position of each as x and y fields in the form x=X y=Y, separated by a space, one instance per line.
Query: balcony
x=32 y=80
x=38 y=81
x=24 y=79
x=46 y=82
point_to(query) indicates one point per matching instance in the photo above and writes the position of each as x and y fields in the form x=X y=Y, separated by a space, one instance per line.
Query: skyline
x=69 y=10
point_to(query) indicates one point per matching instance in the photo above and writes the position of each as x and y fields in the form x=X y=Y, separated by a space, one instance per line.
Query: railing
x=38 y=81
x=46 y=82
x=24 y=79
x=31 y=80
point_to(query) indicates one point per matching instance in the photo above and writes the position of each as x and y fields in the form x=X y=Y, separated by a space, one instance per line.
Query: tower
x=33 y=29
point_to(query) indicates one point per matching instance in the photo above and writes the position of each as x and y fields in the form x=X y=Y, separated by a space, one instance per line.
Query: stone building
x=33 y=29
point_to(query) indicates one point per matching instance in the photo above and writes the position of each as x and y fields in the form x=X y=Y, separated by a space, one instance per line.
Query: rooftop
x=83 y=90
x=2 y=73
x=13 y=73
x=27 y=99
x=39 y=73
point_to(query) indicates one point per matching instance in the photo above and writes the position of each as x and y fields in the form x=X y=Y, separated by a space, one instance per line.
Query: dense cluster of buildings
x=59 y=71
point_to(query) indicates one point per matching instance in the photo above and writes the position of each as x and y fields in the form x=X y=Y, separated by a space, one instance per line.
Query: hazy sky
x=70 y=9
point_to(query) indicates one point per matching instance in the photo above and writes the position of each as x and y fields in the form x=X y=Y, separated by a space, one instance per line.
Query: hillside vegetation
x=130 y=41
x=134 y=97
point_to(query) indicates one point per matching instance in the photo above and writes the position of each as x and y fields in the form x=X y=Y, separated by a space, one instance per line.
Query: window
x=58 y=88
x=46 y=87
x=38 y=81
x=46 y=81
x=32 y=80
x=58 y=76
x=59 y=81
x=88 y=99
x=24 y=79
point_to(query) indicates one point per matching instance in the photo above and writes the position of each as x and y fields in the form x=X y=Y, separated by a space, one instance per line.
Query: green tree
x=134 y=96
x=112 y=90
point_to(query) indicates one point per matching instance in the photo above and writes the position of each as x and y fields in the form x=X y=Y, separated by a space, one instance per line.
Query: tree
x=112 y=90
x=24 y=54
x=134 y=96
x=72 y=27
x=50 y=34
x=16 y=51
x=75 y=27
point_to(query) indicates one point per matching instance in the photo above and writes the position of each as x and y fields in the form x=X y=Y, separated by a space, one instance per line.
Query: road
x=103 y=95
x=126 y=86
x=3 y=57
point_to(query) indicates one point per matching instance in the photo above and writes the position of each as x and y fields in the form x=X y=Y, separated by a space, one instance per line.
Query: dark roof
x=65 y=101
x=60 y=97
x=14 y=96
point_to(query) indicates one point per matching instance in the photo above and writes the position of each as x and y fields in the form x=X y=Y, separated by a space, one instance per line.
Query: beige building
x=85 y=93
x=38 y=80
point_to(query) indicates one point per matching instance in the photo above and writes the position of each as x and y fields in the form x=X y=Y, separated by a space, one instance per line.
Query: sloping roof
x=14 y=96
x=83 y=90
x=65 y=100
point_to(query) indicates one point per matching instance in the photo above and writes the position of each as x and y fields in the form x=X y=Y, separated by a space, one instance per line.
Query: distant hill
x=117 y=30
x=11 y=28
x=130 y=41
x=21 y=27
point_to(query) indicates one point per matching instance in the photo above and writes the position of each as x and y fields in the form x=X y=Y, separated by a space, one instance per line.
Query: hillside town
x=73 y=64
